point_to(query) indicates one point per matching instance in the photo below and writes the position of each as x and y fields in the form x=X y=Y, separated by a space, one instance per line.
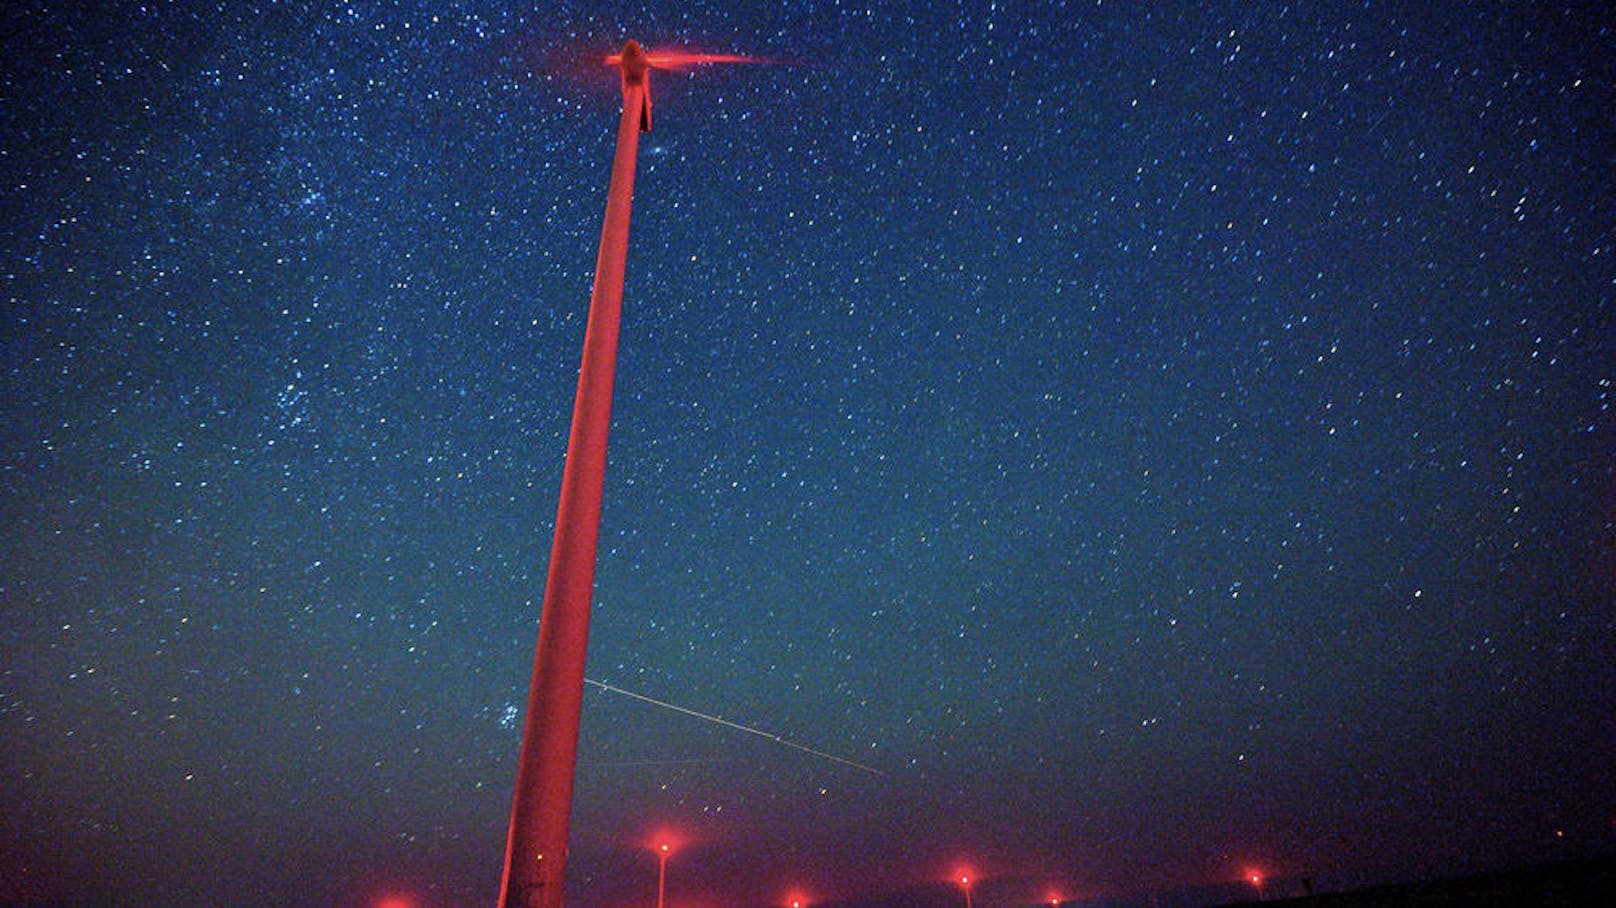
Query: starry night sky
x=1163 y=439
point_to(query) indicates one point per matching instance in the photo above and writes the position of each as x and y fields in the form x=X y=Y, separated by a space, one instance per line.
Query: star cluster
x=1162 y=440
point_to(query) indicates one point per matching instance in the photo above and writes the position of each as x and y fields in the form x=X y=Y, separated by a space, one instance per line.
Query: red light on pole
x=965 y=883
x=663 y=843
x=1255 y=878
x=663 y=851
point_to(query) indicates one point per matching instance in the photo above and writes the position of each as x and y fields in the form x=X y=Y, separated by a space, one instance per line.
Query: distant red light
x=964 y=877
x=665 y=841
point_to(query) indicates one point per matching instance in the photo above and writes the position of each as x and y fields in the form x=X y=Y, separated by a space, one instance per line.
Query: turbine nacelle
x=635 y=66
x=636 y=63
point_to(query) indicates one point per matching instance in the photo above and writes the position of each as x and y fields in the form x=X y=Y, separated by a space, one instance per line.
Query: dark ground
x=1573 y=883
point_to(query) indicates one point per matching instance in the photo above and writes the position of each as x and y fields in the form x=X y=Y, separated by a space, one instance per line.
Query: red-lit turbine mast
x=536 y=847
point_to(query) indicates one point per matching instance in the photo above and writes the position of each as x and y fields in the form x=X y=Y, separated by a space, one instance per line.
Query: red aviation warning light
x=965 y=877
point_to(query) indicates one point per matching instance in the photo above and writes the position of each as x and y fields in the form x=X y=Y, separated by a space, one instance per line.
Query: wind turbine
x=536 y=846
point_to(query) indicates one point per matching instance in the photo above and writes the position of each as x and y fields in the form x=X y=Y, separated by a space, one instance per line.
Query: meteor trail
x=735 y=725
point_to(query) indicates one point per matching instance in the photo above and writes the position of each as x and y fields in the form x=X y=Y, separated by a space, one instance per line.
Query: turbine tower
x=536 y=846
